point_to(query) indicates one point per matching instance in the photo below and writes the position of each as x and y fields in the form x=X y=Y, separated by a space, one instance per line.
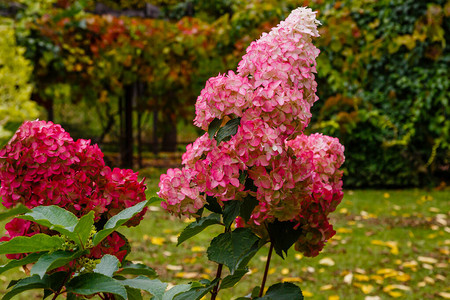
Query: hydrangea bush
x=254 y=167
x=255 y=146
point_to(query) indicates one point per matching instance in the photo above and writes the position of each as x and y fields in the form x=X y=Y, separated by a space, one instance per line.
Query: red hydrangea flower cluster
x=296 y=177
x=43 y=165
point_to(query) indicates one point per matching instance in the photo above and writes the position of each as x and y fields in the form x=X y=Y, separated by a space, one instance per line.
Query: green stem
x=266 y=270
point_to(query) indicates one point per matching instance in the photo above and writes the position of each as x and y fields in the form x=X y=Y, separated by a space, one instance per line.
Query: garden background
x=126 y=74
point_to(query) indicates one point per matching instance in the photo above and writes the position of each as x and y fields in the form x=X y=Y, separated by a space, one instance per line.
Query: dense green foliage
x=15 y=88
x=385 y=87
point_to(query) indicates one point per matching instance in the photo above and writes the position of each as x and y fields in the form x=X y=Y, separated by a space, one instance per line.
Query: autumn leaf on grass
x=361 y=277
x=326 y=287
x=393 y=245
x=198 y=249
x=365 y=288
x=326 y=261
x=291 y=279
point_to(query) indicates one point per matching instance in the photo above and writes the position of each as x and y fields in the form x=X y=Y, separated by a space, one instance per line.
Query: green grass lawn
x=389 y=244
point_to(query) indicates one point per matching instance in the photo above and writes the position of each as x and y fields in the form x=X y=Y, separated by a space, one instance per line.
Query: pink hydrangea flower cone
x=295 y=178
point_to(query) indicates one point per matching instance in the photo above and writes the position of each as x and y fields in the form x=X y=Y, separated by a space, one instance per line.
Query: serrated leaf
x=283 y=235
x=107 y=265
x=35 y=282
x=230 y=280
x=248 y=205
x=133 y=294
x=20 y=209
x=53 y=260
x=196 y=292
x=153 y=286
x=234 y=249
x=213 y=127
x=55 y=218
x=197 y=227
x=83 y=229
x=36 y=243
x=93 y=283
x=136 y=269
x=31 y=258
x=226 y=132
x=283 y=291
x=178 y=289
x=230 y=212
x=120 y=219
x=212 y=205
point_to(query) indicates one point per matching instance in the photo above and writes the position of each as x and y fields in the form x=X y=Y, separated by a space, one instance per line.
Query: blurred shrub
x=384 y=86
x=15 y=88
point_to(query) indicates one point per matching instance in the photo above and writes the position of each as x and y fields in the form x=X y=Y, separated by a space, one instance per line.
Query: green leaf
x=178 y=289
x=53 y=260
x=72 y=296
x=212 y=205
x=107 y=265
x=133 y=294
x=283 y=235
x=198 y=226
x=83 y=229
x=226 y=132
x=230 y=212
x=213 y=127
x=120 y=219
x=136 y=269
x=283 y=291
x=55 y=218
x=234 y=249
x=196 y=292
x=36 y=243
x=153 y=286
x=35 y=282
x=20 y=209
x=248 y=204
x=31 y=258
x=230 y=280
x=93 y=283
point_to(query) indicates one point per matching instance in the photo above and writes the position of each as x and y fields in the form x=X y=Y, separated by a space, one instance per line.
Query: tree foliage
x=15 y=88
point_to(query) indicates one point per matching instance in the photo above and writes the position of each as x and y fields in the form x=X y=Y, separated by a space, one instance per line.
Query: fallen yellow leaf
x=361 y=277
x=284 y=271
x=307 y=294
x=444 y=295
x=344 y=230
x=367 y=288
x=159 y=241
x=187 y=275
x=326 y=287
x=391 y=287
x=333 y=297
x=378 y=279
x=395 y=294
x=428 y=260
x=174 y=268
x=403 y=277
x=198 y=249
x=292 y=279
x=326 y=261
